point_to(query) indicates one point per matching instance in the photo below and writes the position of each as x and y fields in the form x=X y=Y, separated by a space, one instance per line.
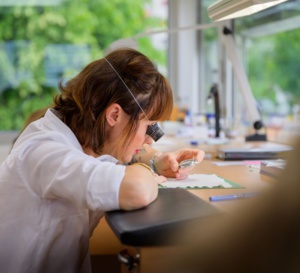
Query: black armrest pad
x=154 y=225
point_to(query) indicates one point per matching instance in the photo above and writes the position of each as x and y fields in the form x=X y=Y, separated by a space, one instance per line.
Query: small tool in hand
x=188 y=163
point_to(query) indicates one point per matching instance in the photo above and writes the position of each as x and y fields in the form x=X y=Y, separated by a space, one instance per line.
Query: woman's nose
x=148 y=140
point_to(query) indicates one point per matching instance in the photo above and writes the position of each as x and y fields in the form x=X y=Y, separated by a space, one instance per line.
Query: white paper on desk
x=197 y=181
x=279 y=163
x=237 y=163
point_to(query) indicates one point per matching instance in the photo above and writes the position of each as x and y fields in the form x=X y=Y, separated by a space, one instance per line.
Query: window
x=209 y=58
x=43 y=42
x=269 y=43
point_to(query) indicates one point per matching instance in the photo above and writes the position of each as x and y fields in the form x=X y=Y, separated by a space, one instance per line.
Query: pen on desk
x=231 y=196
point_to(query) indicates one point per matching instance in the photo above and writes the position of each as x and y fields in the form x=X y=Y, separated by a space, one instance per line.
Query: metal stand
x=214 y=93
x=244 y=86
x=132 y=263
x=257 y=136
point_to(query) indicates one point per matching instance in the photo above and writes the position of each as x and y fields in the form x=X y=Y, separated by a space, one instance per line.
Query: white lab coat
x=52 y=195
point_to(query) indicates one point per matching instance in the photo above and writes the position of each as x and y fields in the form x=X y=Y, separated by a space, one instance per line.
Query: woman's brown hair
x=85 y=98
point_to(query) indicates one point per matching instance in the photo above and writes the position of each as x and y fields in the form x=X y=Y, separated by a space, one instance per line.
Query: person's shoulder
x=54 y=134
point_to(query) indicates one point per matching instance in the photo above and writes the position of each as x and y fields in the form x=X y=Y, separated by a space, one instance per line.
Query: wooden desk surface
x=105 y=242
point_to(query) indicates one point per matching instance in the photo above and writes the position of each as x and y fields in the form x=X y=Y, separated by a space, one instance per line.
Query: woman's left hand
x=167 y=164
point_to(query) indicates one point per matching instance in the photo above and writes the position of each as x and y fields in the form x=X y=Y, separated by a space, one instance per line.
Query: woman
x=89 y=154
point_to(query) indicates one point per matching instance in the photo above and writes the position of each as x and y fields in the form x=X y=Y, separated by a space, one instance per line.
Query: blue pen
x=231 y=196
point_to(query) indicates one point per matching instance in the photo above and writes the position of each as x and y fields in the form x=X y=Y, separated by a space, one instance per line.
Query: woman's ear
x=113 y=114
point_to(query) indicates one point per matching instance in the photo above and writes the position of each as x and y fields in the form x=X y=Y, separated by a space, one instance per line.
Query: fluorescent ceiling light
x=229 y=9
x=8 y=3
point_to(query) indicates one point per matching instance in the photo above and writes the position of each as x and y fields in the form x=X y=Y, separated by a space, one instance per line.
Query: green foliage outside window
x=40 y=42
x=273 y=64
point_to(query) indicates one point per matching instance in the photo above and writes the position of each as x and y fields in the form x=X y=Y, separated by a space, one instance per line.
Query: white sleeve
x=53 y=170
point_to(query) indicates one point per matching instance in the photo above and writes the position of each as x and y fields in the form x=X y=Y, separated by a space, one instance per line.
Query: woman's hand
x=159 y=179
x=167 y=164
